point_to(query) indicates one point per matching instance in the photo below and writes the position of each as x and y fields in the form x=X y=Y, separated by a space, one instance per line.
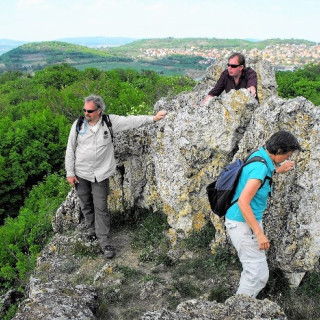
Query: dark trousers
x=94 y=206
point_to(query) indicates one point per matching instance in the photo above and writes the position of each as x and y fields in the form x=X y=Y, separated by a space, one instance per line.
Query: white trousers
x=255 y=272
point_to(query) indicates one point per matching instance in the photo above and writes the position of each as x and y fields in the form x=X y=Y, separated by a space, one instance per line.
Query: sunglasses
x=89 y=111
x=233 y=65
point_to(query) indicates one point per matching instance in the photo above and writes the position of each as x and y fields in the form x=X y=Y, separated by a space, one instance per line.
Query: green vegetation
x=304 y=82
x=37 y=112
x=171 y=65
x=149 y=239
x=36 y=115
x=200 y=239
x=37 y=55
x=301 y=303
x=201 y=43
x=22 y=238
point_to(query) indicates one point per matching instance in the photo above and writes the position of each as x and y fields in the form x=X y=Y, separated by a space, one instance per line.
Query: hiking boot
x=109 y=252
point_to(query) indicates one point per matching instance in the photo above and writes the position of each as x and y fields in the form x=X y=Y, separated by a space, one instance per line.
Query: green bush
x=303 y=82
x=22 y=238
x=30 y=148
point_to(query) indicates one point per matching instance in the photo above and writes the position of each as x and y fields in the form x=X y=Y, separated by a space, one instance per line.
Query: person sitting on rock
x=236 y=76
x=243 y=219
x=90 y=162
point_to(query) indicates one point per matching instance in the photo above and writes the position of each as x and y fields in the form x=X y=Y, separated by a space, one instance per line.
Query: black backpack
x=105 y=120
x=221 y=191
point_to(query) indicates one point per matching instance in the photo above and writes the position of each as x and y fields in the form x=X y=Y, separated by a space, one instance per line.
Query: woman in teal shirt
x=244 y=218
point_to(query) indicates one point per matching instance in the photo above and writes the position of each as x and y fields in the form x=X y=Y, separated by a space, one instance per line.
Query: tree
x=303 y=82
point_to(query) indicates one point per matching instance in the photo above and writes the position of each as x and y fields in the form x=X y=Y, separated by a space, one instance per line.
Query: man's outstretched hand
x=160 y=115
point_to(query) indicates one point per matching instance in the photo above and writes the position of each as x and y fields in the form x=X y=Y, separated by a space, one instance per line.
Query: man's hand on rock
x=206 y=100
x=253 y=91
x=160 y=115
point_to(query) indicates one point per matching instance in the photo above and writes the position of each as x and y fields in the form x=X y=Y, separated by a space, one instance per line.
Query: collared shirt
x=247 y=79
x=90 y=154
x=254 y=170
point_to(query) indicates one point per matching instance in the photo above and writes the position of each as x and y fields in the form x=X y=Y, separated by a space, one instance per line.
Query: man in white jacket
x=90 y=162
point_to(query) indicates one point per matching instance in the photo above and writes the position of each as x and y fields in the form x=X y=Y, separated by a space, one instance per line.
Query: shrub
x=22 y=238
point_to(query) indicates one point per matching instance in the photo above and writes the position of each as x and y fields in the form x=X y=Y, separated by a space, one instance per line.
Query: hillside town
x=282 y=56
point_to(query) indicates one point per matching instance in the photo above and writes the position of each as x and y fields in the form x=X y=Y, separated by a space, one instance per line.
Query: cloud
x=51 y=19
x=276 y=8
x=23 y=4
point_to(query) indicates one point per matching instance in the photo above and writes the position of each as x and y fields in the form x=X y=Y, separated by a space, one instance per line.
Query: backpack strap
x=260 y=159
x=79 y=125
x=106 y=119
x=255 y=159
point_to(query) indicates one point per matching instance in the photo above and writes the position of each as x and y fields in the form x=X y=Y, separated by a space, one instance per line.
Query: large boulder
x=292 y=219
x=238 y=307
x=167 y=166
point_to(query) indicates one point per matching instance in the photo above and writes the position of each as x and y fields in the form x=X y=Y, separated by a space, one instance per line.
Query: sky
x=46 y=20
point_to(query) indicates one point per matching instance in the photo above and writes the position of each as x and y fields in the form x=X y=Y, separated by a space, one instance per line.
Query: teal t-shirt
x=254 y=170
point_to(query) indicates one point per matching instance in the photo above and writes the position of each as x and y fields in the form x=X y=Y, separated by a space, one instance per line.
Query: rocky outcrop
x=54 y=300
x=59 y=287
x=166 y=167
x=292 y=219
x=53 y=293
x=237 y=307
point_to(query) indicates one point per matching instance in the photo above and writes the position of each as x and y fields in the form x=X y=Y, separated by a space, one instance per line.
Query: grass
x=128 y=273
x=149 y=238
x=301 y=303
x=187 y=289
x=199 y=240
x=219 y=293
x=10 y=313
x=81 y=249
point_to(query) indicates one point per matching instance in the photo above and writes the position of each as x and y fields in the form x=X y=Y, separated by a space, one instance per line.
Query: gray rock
x=69 y=213
x=238 y=307
x=167 y=166
x=56 y=300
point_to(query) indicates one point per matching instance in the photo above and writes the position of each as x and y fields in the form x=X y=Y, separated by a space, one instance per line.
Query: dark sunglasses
x=89 y=111
x=233 y=65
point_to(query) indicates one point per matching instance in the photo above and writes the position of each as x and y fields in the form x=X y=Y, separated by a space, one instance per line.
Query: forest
x=303 y=82
x=36 y=115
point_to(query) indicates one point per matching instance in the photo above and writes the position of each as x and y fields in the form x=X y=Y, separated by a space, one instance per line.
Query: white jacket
x=91 y=155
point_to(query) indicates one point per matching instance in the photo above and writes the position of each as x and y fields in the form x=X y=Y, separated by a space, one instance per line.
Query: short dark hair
x=241 y=58
x=282 y=142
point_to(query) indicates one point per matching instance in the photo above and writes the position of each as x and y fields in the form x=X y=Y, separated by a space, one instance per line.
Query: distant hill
x=181 y=43
x=33 y=56
x=7 y=45
x=92 y=42
x=37 y=55
x=97 y=42
x=203 y=43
